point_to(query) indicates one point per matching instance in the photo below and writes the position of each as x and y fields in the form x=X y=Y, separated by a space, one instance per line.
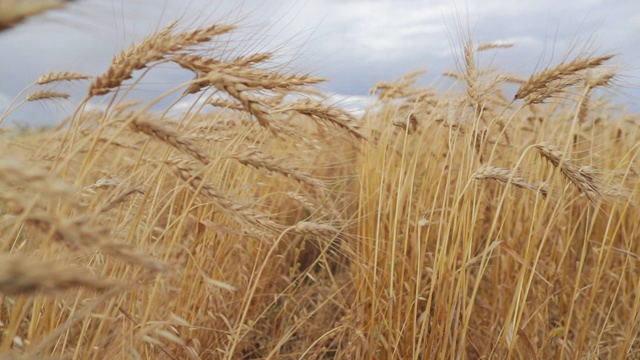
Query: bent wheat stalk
x=584 y=178
x=169 y=136
x=550 y=81
x=21 y=275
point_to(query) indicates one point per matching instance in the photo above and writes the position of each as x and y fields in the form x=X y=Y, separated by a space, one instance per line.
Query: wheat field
x=265 y=222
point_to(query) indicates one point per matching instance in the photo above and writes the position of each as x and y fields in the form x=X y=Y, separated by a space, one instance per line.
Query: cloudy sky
x=353 y=43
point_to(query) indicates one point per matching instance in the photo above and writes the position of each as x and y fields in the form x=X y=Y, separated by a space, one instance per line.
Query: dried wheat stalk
x=132 y=255
x=84 y=233
x=255 y=158
x=240 y=86
x=46 y=94
x=22 y=275
x=235 y=210
x=164 y=133
x=400 y=88
x=593 y=78
x=61 y=76
x=321 y=230
x=226 y=104
x=24 y=178
x=494 y=45
x=313 y=206
x=408 y=124
x=324 y=114
x=118 y=196
x=600 y=76
x=151 y=49
x=471 y=77
x=504 y=176
x=550 y=81
x=584 y=178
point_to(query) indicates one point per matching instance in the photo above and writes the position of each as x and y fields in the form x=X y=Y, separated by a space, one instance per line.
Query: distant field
x=268 y=223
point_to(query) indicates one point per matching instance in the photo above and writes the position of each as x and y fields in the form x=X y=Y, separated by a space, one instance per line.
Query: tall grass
x=266 y=223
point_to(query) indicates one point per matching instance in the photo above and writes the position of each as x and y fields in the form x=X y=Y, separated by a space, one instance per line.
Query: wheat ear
x=550 y=81
x=22 y=275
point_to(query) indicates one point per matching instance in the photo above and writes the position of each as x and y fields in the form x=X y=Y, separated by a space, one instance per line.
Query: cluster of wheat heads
x=216 y=233
x=498 y=226
x=264 y=223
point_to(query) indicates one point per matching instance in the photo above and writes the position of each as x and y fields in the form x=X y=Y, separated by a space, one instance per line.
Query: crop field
x=493 y=219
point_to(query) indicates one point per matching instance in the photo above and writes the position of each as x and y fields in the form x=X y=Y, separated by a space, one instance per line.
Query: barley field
x=495 y=219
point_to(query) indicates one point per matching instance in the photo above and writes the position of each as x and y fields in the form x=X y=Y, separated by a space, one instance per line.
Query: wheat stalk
x=241 y=212
x=164 y=133
x=494 y=45
x=22 y=275
x=45 y=95
x=255 y=158
x=151 y=49
x=582 y=177
x=550 y=81
x=593 y=78
x=60 y=76
x=324 y=114
x=505 y=176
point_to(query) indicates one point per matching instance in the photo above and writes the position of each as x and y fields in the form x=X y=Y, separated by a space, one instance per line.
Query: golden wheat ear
x=13 y=12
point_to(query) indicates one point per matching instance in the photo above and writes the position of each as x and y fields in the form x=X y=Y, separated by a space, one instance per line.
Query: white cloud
x=377 y=31
x=355 y=104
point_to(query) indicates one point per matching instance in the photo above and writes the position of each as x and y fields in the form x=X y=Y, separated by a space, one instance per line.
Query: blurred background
x=353 y=43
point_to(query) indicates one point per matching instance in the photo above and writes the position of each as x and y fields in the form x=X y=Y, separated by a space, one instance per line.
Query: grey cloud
x=354 y=43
